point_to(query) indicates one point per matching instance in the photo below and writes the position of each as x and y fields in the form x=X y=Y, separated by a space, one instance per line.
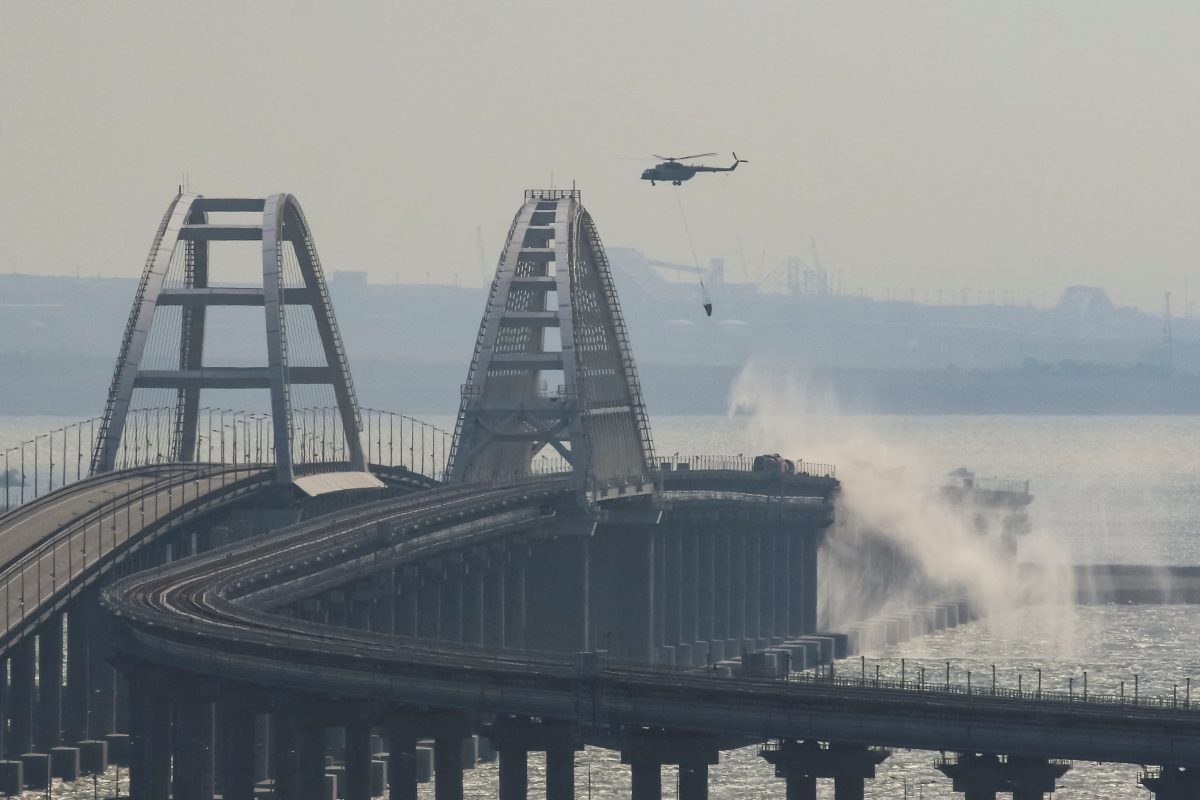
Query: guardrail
x=43 y=571
x=738 y=463
x=989 y=689
x=60 y=457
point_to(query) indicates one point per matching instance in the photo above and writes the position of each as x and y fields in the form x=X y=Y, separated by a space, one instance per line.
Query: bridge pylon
x=164 y=340
x=552 y=366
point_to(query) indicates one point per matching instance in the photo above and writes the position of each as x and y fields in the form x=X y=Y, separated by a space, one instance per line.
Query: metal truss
x=186 y=225
x=522 y=394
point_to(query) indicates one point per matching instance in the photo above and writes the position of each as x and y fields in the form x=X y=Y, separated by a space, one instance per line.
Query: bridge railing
x=738 y=463
x=60 y=457
x=35 y=576
x=986 y=689
x=962 y=686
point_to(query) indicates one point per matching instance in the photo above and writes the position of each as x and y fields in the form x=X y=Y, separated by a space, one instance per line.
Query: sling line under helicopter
x=695 y=261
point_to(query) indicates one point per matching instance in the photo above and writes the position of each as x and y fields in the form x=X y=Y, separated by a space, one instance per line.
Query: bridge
x=306 y=589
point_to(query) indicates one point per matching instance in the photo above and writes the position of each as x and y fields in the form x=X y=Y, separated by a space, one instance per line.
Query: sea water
x=1110 y=489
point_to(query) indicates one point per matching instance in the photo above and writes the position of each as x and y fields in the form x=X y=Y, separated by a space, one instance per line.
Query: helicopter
x=672 y=170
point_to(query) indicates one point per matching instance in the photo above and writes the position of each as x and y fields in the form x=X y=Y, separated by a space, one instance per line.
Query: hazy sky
x=1002 y=145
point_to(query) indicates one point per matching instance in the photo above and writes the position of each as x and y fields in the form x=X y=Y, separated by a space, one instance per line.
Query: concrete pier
x=402 y=759
x=1172 y=783
x=193 y=746
x=21 y=693
x=647 y=751
x=515 y=737
x=236 y=772
x=150 y=745
x=981 y=776
x=801 y=763
x=50 y=668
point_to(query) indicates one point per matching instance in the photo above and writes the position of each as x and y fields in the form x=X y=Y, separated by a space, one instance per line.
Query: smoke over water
x=902 y=539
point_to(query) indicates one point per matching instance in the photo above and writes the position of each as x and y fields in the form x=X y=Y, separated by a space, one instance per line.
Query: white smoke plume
x=900 y=539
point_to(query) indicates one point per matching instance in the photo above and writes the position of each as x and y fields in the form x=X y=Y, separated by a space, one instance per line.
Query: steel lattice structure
x=521 y=395
x=185 y=233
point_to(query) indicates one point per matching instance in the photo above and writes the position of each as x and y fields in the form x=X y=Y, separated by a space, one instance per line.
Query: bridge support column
x=193 y=752
x=673 y=600
x=689 y=604
x=20 y=698
x=622 y=584
x=646 y=751
x=514 y=598
x=797 y=581
x=358 y=760
x=560 y=772
x=50 y=667
x=783 y=583
x=493 y=601
x=402 y=759
x=658 y=582
x=646 y=779
x=559 y=592
x=720 y=586
x=407 y=608
x=808 y=616
x=150 y=739
x=429 y=605
x=515 y=737
x=472 y=600
x=802 y=762
x=75 y=701
x=983 y=776
x=766 y=594
x=693 y=780
x=1173 y=783
x=451 y=588
x=448 y=765
x=514 y=773
x=753 y=587
x=236 y=722
x=737 y=591
x=298 y=739
x=102 y=678
x=262 y=747
x=706 y=594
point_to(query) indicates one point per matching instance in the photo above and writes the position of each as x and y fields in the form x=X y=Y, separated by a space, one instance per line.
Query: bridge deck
x=203 y=617
x=50 y=545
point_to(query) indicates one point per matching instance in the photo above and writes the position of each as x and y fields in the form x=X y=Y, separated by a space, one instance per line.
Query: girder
x=186 y=232
x=513 y=389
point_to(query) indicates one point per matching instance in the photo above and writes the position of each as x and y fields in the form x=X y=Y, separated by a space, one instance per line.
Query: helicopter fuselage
x=677 y=173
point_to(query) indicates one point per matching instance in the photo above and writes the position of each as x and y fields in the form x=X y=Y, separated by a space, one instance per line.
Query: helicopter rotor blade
x=682 y=158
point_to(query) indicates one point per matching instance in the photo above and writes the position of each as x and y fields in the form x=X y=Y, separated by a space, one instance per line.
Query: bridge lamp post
x=37 y=439
x=232 y=428
x=1039 y=689
x=1135 y=690
x=947 y=676
x=222 y=424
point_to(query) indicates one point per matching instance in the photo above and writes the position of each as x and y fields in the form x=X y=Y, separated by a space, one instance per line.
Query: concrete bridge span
x=241 y=630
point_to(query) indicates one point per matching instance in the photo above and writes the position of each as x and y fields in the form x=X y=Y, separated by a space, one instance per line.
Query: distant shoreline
x=75 y=385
